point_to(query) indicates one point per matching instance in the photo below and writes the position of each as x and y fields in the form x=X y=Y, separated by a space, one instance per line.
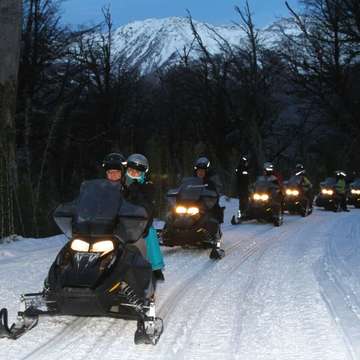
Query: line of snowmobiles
x=267 y=202
x=101 y=271
x=329 y=199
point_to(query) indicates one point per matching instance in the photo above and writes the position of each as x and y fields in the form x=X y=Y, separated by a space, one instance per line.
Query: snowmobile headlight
x=181 y=210
x=327 y=191
x=355 y=192
x=292 y=192
x=261 y=197
x=193 y=210
x=80 y=245
x=104 y=246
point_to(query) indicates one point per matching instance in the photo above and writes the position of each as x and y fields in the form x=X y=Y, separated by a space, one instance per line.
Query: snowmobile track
x=66 y=335
x=180 y=291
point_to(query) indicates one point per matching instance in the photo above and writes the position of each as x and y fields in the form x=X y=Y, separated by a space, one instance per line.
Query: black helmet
x=114 y=161
x=138 y=162
x=243 y=162
x=268 y=168
x=299 y=169
x=202 y=163
x=340 y=174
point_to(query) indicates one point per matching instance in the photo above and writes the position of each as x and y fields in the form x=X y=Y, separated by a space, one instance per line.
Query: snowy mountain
x=153 y=43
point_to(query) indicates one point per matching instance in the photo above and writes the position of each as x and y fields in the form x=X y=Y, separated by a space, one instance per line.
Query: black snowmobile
x=265 y=204
x=354 y=194
x=296 y=201
x=101 y=271
x=191 y=220
x=327 y=198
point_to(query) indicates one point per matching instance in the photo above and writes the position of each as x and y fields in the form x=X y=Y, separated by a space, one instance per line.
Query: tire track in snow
x=56 y=341
x=256 y=253
x=342 y=303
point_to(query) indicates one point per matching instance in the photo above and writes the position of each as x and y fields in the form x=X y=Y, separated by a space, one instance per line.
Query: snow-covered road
x=284 y=293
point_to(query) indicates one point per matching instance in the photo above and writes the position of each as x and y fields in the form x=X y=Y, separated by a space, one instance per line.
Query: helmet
x=138 y=162
x=340 y=173
x=243 y=162
x=114 y=161
x=202 y=163
x=268 y=168
x=299 y=169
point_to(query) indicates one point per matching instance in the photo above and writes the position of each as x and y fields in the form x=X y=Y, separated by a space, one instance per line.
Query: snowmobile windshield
x=192 y=189
x=132 y=222
x=101 y=210
x=263 y=185
x=330 y=181
x=97 y=208
x=63 y=216
x=355 y=183
x=294 y=180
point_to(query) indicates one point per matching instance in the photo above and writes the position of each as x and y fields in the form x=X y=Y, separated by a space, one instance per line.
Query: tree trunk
x=10 y=35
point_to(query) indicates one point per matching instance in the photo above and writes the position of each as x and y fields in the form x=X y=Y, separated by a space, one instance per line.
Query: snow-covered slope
x=287 y=293
x=153 y=43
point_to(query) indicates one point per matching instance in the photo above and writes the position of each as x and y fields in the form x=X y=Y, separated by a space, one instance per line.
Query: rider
x=270 y=176
x=304 y=182
x=140 y=191
x=202 y=169
x=341 y=189
x=243 y=182
x=114 y=165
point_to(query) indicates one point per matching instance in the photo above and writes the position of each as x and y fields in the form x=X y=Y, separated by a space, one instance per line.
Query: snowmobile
x=327 y=198
x=101 y=271
x=191 y=220
x=354 y=194
x=265 y=204
x=296 y=201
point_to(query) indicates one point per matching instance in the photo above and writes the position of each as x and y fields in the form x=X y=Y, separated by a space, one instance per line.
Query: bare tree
x=10 y=34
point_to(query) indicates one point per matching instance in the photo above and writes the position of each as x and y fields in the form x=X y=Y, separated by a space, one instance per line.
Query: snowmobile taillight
x=355 y=192
x=182 y=210
x=327 y=192
x=80 y=245
x=260 y=197
x=291 y=192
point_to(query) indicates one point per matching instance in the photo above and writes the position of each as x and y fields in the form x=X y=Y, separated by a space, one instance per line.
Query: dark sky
x=76 y=12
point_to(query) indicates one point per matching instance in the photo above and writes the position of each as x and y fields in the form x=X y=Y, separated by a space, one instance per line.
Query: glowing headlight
x=262 y=197
x=291 y=192
x=193 y=210
x=327 y=191
x=104 y=246
x=80 y=245
x=355 y=192
x=180 y=210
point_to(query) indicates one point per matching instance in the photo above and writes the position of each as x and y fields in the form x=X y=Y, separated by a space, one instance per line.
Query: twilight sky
x=76 y=12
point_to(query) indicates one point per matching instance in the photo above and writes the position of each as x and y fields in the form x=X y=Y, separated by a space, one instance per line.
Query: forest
x=72 y=99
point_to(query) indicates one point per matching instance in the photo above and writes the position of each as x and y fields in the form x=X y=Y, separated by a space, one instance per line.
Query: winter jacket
x=341 y=186
x=242 y=180
x=142 y=195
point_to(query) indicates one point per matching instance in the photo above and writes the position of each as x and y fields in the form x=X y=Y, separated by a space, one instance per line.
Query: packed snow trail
x=284 y=293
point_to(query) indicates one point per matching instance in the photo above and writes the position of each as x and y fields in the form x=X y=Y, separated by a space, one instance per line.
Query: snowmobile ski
x=150 y=328
x=23 y=324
